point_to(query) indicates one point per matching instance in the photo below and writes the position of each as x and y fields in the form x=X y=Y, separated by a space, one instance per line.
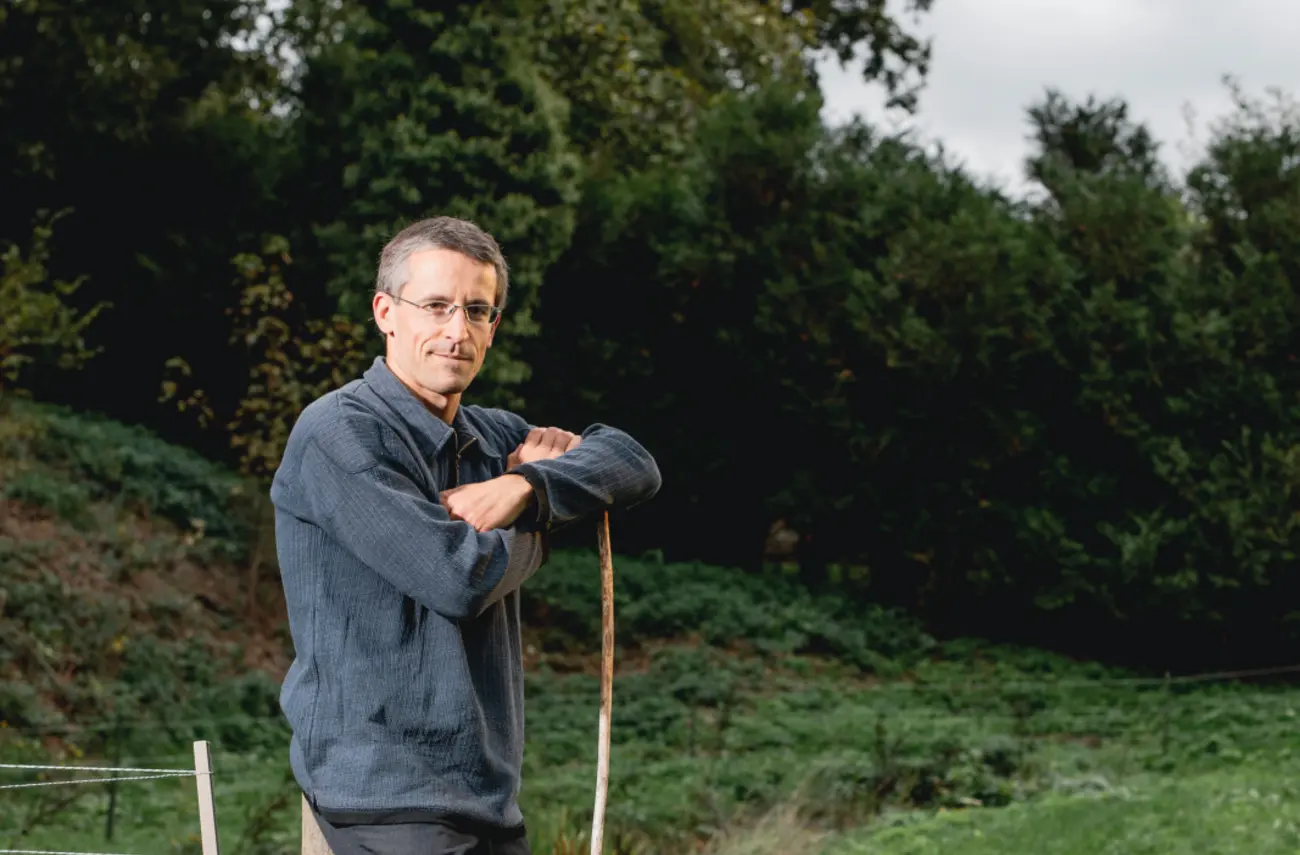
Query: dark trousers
x=414 y=838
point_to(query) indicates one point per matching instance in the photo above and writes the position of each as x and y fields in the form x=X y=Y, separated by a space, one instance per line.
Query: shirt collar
x=428 y=428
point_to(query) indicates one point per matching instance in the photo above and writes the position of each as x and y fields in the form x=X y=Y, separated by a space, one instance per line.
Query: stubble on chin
x=445 y=379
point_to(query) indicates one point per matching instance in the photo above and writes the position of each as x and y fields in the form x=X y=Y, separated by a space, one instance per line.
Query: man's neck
x=443 y=407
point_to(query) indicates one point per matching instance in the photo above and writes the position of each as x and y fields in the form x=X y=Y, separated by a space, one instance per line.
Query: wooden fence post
x=207 y=805
x=313 y=842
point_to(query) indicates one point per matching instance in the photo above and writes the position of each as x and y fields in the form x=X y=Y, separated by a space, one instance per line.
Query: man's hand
x=488 y=504
x=542 y=444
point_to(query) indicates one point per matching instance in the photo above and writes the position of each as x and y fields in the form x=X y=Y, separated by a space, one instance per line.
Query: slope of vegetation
x=750 y=716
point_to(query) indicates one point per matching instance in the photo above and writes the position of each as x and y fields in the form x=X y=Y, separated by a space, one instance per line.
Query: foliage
x=119 y=643
x=222 y=122
x=684 y=297
x=447 y=121
x=294 y=358
x=1252 y=808
x=35 y=317
x=64 y=461
x=299 y=359
x=55 y=626
x=719 y=605
x=387 y=113
x=624 y=67
x=1071 y=416
x=868 y=30
x=138 y=123
x=893 y=766
x=1063 y=413
x=115 y=70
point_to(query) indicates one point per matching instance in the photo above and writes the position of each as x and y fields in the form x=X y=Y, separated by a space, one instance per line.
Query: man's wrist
x=523 y=489
x=537 y=513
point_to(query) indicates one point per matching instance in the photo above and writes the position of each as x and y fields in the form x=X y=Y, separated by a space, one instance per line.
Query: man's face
x=438 y=359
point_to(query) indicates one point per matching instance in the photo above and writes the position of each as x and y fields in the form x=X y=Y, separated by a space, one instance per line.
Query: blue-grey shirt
x=405 y=696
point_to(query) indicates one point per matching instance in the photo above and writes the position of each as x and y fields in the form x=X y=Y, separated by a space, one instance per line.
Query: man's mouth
x=453 y=357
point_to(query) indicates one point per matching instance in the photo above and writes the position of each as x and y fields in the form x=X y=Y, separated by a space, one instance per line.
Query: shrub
x=719 y=605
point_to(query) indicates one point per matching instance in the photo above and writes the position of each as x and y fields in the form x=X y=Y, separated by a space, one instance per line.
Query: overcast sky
x=993 y=58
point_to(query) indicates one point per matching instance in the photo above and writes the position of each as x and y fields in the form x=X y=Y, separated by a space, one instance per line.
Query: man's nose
x=457 y=326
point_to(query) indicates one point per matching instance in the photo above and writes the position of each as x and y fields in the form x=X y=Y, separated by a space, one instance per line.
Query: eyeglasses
x=442 y=311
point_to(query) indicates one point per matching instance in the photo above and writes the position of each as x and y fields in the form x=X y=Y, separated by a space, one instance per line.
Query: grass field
x=824 y=763
x=750 y=718
x=1253 y=808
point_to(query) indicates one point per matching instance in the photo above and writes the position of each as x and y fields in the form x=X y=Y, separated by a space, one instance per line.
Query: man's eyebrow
x=441 y=297
x=434 y=297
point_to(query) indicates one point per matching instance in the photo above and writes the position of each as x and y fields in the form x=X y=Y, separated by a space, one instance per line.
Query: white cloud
x=994 y=58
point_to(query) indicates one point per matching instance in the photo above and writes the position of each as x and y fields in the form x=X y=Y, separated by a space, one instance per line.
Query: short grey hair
x=440 y=233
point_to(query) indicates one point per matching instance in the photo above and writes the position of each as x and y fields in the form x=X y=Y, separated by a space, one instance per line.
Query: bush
x=1067 y=419
x=67 y=459
x=719 y=605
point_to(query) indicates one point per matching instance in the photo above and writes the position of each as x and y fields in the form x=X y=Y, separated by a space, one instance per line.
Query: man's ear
x=492 y=332
x=382 y=305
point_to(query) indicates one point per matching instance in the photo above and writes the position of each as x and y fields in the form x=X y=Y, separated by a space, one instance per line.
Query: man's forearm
x=608 y=470
x=379 y=515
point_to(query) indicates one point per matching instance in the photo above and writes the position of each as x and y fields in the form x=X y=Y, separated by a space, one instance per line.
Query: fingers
x=556 y=440
x=450 y=506
x=460 y=509
x=547 y=437
x=486 y=505
x=543 y=444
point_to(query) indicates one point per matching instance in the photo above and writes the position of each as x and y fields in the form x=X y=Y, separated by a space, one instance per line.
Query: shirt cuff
x=540 y=517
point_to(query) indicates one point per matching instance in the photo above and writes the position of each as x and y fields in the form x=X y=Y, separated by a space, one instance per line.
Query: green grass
x=749 y=716
x=892 y=768
x=1253 y=809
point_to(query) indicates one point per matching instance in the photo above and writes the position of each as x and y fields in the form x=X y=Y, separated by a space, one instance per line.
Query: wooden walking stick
x=606 y=681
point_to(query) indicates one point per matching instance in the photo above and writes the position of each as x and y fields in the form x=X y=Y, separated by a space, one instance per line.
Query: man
x=406 y=522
